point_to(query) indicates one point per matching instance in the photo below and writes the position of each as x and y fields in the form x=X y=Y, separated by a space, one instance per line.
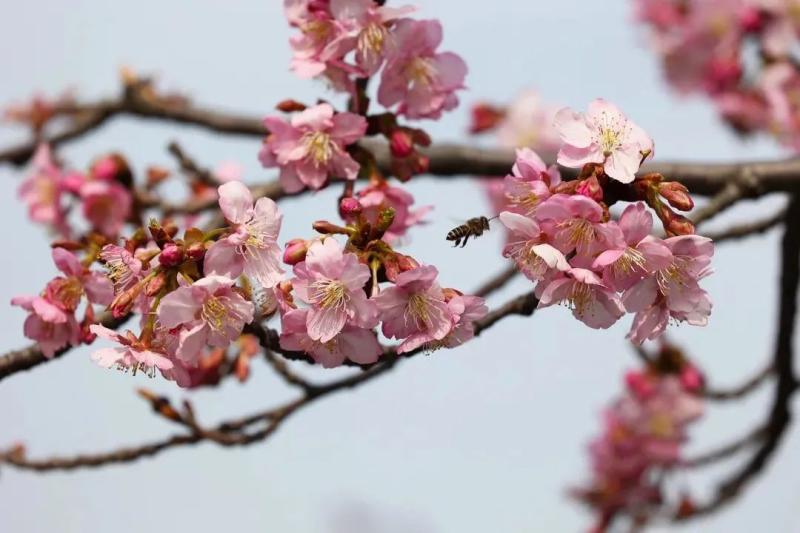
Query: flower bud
x=485 y=117
x=406 y=262
x=676 y=194
x=751 y=19
x=691 y=378
x=196 y=251
x=289 y=105
x=679 y=225
x=590 y=188
x=155 y=285
x=401 y=143
x=325 y=227
x=349 y=208
x=172 y=255
x=295 y=251
x=123 y=302
x=639 y=384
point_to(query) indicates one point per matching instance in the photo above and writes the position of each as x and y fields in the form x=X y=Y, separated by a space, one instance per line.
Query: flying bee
x=473 y=227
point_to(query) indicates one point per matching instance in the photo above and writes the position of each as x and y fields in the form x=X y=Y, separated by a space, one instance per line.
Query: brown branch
x=498 y=281
x=445 y=159
x=780 y=414
x=745 y=185
x=726 y=450
x=31 y=356
x=740 y=231
x=742 y=390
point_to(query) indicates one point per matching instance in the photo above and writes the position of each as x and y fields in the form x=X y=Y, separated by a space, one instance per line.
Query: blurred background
x=489 y=436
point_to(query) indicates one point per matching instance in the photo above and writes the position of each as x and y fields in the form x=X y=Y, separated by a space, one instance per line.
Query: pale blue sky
x=486 y=437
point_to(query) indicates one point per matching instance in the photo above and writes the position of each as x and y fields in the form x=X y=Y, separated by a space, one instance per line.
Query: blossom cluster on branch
x=741 y=53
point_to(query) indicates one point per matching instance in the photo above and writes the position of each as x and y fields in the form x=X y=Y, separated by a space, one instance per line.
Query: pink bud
x=401 y=144
x=196 y=251
x=676 y=194
x=172 y=255
x=639 y=384
x=105 y=169
x=349 y=207
x=590 y=188
x=295 y=251
x=691 y=379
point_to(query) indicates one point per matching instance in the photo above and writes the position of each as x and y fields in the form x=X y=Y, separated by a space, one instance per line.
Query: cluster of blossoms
x=644 y=431
x=563 y=238
x=103 y=194
x=707 y=47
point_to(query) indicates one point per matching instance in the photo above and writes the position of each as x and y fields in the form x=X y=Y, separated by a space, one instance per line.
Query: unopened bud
x=295 y=251
x=679 y=225
x=640 y=384
x=155 y=285
x=676 y=194
x=406 y=262
x=349 y=207
x=485 y=117
x=691 y=378
x=751 y=19
x=172 y=255
x=401 y=143
x=385 y=219
x=325 y=227
x=123 y=302
x=590 y=188
x=289 y=105
x=196 y=251
x=104 y=169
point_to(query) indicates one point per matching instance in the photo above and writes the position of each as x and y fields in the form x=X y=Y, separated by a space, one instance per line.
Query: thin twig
x=740 y=231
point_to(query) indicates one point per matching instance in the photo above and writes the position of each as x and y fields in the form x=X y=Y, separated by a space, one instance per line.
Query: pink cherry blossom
x=106 y=205
x=530 y=182
x=602 y=135
x=465 y=309
x=332 y=283
x=366 y=30
x=356 y=344
x=420 y=81
x=124 y=270
x=50 y=326
x=577 y=222
x=581 y=290
x=414 y=309
x=529 y=249
x=311 y=147
x=42 y=191
x=67 y=291
x=633 y=253
x=252 y=245
x=209 y=312
x=528 y=123
x=129 y=355
x=375 y=198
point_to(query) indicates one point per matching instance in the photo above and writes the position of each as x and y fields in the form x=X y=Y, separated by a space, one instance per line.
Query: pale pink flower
x=529 y=249
x=356 y=344
x=332 y=283
x=312 y=48
x=780 y=83
x=420 y=81
x=124 y=270
x=209 y=312
x=530 y=182
x=577 y=221
x=528 y=123
x=252 y=246
x=375 y=198
x=633 y=253
x=602 y=135
x=414 y=309
x=366 y=30
x=672 y=291
x=466 y=309
x=106 y=205
x=581 y=290
x=129 y=355
x=50 y=326
x=41 y=191
x=67 y=291
x=311 y=148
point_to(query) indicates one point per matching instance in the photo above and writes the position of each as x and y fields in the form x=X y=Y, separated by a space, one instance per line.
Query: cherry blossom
x=581 y=290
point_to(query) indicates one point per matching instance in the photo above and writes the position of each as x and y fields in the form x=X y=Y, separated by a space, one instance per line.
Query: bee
x=473 y=227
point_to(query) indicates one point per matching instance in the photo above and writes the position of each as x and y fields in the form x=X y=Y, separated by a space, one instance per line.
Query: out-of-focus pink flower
x=420 y=81
x=602 y=135
x=781 y=84
x=106 y=205
x=332 y=283
x=209 y=312
x=311 y=147
x=529 y=249
x=633 y=253
x=252 y=246
x=356 y=344
x=414 y=309
x=528 y=123
x=48 y=325
x=591 y=302
x=79 y=280
x=42 y=189
x=130 y=354
x=376 y=198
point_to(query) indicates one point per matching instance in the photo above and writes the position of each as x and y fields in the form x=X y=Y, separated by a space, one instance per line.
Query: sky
x=486 y=437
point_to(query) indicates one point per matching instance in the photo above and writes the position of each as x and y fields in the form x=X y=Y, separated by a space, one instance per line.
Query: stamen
x=214 y=313
x=329 y=293
x=418 y=310
x=319 y=147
